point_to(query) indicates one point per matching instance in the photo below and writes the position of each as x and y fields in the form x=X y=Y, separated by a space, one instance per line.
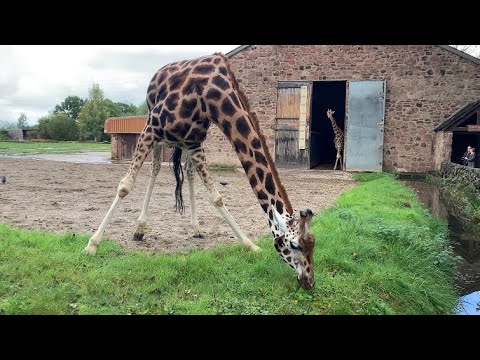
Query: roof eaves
x=236 y=50
x=458 y=115
x=461 y=53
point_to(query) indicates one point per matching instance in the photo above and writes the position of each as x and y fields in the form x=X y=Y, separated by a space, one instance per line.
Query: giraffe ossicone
x=184 y=98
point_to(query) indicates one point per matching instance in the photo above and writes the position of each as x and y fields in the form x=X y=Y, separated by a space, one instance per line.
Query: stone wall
x=467 y=175
x=443 y=148
x=425 y=84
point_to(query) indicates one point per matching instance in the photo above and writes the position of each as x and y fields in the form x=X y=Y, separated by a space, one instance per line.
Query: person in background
x=465 y=155
x=471 y=158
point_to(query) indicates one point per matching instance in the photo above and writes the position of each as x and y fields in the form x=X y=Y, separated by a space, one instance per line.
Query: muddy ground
x=73 y=197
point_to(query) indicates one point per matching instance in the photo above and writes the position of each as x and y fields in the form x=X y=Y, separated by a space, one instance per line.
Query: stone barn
x=387 y=100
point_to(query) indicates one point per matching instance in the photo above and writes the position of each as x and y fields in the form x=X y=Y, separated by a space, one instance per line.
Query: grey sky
x=34 y=78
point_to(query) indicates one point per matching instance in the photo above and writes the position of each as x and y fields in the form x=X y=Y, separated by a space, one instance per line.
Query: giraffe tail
x=178 y=172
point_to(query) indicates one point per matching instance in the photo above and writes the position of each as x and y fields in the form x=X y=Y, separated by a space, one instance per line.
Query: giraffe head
x=330 y=112
x=295 y=247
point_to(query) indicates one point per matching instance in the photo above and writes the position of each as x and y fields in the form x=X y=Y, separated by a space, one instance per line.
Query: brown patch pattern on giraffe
x=185 y=97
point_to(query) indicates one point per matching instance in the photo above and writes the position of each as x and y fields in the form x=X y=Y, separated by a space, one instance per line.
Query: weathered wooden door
x=366 y=111
x=128 y=145
x=292 y=123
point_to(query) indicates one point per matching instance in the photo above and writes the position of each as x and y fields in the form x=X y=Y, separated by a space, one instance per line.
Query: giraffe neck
x=263 y=177
x=336 y=129
x=243 y=131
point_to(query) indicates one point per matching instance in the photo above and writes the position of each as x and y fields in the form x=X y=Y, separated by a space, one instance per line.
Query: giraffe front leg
x=198 y=160
x=190 y=168
x=96 y=238
x=154 y=170
x=144 y=145
x=123 y=189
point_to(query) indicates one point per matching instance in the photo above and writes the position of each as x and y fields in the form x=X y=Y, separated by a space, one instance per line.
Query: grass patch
x=378 y=252
x=18 y=148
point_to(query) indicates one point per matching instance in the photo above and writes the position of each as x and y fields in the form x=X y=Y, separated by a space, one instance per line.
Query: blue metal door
x=366 y=110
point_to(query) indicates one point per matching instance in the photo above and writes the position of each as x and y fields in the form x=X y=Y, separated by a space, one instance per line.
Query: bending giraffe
x=338 y=139
x=183 y=99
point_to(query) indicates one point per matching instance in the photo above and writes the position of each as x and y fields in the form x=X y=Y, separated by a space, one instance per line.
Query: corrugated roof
x=458 y=116
x=125 y=124
x=446 y=47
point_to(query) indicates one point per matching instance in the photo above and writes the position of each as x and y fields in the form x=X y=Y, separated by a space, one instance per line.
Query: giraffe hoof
x=256 y=248
x=198 y=236
x=138 y=236
x=90 y=250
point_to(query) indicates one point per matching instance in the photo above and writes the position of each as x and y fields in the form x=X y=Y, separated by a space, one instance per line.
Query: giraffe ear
x=306 y=213
x=306 y=218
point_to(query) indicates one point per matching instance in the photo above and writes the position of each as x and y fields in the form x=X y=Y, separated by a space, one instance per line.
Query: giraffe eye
x=295 y=246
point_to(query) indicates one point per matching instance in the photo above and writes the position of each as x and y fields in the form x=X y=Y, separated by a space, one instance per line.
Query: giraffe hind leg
x=154 y=170
x=336 y=162
x=144 y=146
x=198 y=160
x=190 y=169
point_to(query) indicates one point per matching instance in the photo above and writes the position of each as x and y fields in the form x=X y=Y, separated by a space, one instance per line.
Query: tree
x=22 y=121
x=113 y=109
x=72 y=105
x=63 y=127
x=126 y=109
x=93 y=115
x=142 y=109
x=120 y=109
x=43 y=126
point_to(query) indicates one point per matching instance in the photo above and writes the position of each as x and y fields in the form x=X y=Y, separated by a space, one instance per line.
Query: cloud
x=34 y=78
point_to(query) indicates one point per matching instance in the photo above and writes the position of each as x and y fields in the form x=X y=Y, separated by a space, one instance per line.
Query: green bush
x=4 y=135
x=58 y=126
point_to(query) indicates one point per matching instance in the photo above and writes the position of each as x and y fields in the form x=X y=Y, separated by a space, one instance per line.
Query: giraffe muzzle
x=306 y=282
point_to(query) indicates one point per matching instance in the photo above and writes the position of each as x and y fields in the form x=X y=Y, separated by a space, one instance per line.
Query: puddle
x=465 y=242
x=94 y=157
x=470 y=304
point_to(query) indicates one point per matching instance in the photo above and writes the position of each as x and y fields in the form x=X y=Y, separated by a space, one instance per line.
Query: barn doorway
x=304 y=136
x=465 y=126
x=326 y=95
x=460 y=142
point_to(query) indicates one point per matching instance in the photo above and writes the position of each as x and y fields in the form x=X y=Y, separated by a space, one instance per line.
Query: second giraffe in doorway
x=338 y=139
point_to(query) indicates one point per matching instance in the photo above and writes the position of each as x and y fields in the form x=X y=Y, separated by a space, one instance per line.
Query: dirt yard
x=73 y=197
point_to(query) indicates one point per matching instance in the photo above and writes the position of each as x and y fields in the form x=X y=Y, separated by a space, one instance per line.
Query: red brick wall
x=425 y=84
